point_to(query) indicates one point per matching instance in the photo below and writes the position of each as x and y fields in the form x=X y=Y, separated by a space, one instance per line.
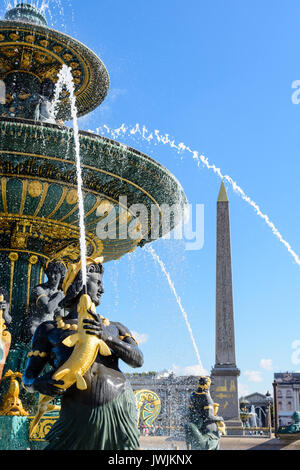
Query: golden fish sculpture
x=86 y=349
x=11 y=404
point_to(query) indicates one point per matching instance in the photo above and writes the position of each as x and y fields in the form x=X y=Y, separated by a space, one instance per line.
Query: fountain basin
x=39 y=217
x=31 y=52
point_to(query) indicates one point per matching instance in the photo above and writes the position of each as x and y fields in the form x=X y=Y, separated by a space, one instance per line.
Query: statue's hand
x=46 y=385
x=95 y=327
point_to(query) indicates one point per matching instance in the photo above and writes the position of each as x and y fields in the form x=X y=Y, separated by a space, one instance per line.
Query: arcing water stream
x=156 y=137
x=157 y=259
x=65 y=78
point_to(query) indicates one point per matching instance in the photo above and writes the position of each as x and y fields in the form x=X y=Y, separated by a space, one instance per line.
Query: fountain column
x=225 y=373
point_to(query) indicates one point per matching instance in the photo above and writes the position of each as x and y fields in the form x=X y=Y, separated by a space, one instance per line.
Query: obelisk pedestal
x=225 y=373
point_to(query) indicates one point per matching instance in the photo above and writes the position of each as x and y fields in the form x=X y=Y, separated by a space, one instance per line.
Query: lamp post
x=269 y=400
x=275 y=404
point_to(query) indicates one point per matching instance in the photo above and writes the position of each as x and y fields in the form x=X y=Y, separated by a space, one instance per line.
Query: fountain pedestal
x=14 y=433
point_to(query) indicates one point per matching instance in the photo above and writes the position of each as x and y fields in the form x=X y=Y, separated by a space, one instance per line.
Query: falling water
x=156 y=137
x=43 y=6
x=65 y=78
x=178 y=300
x=40 y=5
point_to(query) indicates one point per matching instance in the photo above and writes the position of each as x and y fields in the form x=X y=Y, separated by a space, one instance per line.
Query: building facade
x=287 y=386
x=174 y=393
x=258 y=403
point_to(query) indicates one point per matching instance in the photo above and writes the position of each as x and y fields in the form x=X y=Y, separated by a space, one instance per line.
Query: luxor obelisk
x=225 y=372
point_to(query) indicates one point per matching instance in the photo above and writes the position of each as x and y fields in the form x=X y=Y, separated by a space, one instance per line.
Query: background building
x=287 y=396
x=258 y=403
x=174 y=393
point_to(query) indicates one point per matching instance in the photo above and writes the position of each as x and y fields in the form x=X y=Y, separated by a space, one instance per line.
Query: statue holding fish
x=98 y=407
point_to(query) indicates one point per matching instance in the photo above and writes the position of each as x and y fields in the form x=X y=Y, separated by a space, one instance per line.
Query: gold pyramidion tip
x=222 y=194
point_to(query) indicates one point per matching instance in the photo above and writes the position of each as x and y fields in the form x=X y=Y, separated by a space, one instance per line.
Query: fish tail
x=80 y=382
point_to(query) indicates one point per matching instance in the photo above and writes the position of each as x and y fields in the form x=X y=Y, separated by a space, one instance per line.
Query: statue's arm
x=123 y=345
x=38 y=358
x=126 y=347
x=42 y=303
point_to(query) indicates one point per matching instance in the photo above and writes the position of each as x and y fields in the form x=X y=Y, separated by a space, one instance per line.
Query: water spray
x=158 y=138
x=65 y=78
x=178 y=300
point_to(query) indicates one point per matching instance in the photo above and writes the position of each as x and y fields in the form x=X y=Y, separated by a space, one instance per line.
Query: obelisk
x=225 y=372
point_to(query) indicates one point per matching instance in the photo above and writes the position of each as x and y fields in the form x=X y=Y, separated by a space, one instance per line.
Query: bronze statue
x=292 y=429
x=45 y=298
x=44 y=111
x=98 y=412
x=204 y=428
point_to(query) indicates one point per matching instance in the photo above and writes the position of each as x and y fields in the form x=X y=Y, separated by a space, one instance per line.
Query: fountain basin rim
x=103 y=138
x=96 y=68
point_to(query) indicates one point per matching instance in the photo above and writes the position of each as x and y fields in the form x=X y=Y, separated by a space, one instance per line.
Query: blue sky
x=216 y=75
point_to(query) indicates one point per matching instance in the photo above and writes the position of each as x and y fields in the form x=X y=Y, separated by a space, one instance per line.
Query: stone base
x=234 y=427
x=224 y=391
x=14 y=434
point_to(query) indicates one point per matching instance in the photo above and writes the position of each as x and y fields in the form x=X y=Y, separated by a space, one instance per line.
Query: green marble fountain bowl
x=39 y=203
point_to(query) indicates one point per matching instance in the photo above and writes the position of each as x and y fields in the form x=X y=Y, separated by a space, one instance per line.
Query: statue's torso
x=105 y=381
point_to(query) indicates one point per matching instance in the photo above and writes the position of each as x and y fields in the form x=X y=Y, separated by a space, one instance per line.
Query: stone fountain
x=39 y=215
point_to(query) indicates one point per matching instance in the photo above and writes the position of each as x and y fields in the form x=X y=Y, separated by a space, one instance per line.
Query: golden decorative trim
x=13 y=258
x=73 y=186
x=35 y=189
x=3 y=188
x=37 y=354
x=59 y=204
x=106 y=322
x=32 y=261
x=42 y=200
x=98 y=170
x=29 y=45
x=37 y=300
x=26 y=251
x=69 y=213
x=41 y=274
x=61 y=325
x=43 y=428
x=96 y=205
x=23 y=197
x=128 y=336
x=72 y=197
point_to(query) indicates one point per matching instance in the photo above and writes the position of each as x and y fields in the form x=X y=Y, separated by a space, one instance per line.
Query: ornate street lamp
x=269 y=400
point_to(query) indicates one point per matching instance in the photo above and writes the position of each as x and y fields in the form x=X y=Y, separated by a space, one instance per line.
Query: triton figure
x=98 y=412
x=205 y=427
